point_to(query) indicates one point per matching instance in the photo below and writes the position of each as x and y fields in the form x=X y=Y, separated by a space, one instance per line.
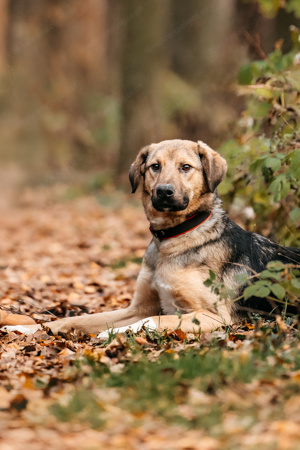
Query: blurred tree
x=58 y=70
x=89 y=42
x=202 y=43
x=198 y=29
x=141 y=65
x=3 y=34
x=193 y=21
x=23 y=37
x=114 y=37
x=51 y=47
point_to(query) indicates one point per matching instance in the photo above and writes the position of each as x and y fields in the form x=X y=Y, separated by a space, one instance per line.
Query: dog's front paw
x=135 y=327
x=104 y=336
x=112 y=331
x=25 y=329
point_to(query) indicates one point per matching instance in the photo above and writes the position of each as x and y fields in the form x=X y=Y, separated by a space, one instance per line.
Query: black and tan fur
x=174 y=271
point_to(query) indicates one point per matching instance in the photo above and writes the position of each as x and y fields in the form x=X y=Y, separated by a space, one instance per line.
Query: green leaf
x=296 y=283
x=263 y=283
x=262 y=158
x=264 y=92
x=262 y=109
x=241 y=278
x=285 y=187
x=295 y=34
x=256 y=290
x=267 y=274
x=212 y=275
x=273 y=163
x=245 y=75
x=293 y=6
x=269 y=7
x=295 y=215
x=258 y=163
x=278 y=291
x=280 y=187
x=262 y=292
x=295 y=164
x=275 y=186
x=259 y=68
x=249 y=291
x=277 y=266
x=195 y=321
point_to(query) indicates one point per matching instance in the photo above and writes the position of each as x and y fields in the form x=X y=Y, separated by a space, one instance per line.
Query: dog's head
x=176 y=175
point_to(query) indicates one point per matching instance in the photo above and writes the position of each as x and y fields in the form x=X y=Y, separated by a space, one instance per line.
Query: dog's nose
x=165 y=191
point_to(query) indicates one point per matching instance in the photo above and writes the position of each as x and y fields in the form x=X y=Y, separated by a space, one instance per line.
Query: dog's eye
x=155 y=167
x=186 y=167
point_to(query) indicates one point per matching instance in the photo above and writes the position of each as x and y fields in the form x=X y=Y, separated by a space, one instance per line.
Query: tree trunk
x=141 y=63
x=199 y=28
x=3 y=35
x=114 y=31
x=57 y=49
x=204 y=54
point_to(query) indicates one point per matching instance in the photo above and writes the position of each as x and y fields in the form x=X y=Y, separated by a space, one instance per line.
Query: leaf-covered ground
x=232 y=389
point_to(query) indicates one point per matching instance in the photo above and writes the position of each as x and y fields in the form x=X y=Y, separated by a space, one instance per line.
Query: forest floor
x=231 y=389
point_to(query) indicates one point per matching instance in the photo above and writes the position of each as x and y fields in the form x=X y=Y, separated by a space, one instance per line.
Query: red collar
x=188 y=225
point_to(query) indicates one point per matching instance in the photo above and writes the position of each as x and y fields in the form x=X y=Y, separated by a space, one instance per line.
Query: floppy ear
x=137 y=168
x=214 y=166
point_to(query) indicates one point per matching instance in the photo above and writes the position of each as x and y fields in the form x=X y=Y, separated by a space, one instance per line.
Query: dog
x=192 y=235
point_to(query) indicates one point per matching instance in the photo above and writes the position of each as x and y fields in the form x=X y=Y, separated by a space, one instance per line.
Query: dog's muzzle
x=164 y=199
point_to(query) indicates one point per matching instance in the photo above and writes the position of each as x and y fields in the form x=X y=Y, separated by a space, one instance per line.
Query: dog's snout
x=166 y=198
x=165 y=191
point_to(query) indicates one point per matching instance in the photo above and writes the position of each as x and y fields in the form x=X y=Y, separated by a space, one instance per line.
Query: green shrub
x=264 y=155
